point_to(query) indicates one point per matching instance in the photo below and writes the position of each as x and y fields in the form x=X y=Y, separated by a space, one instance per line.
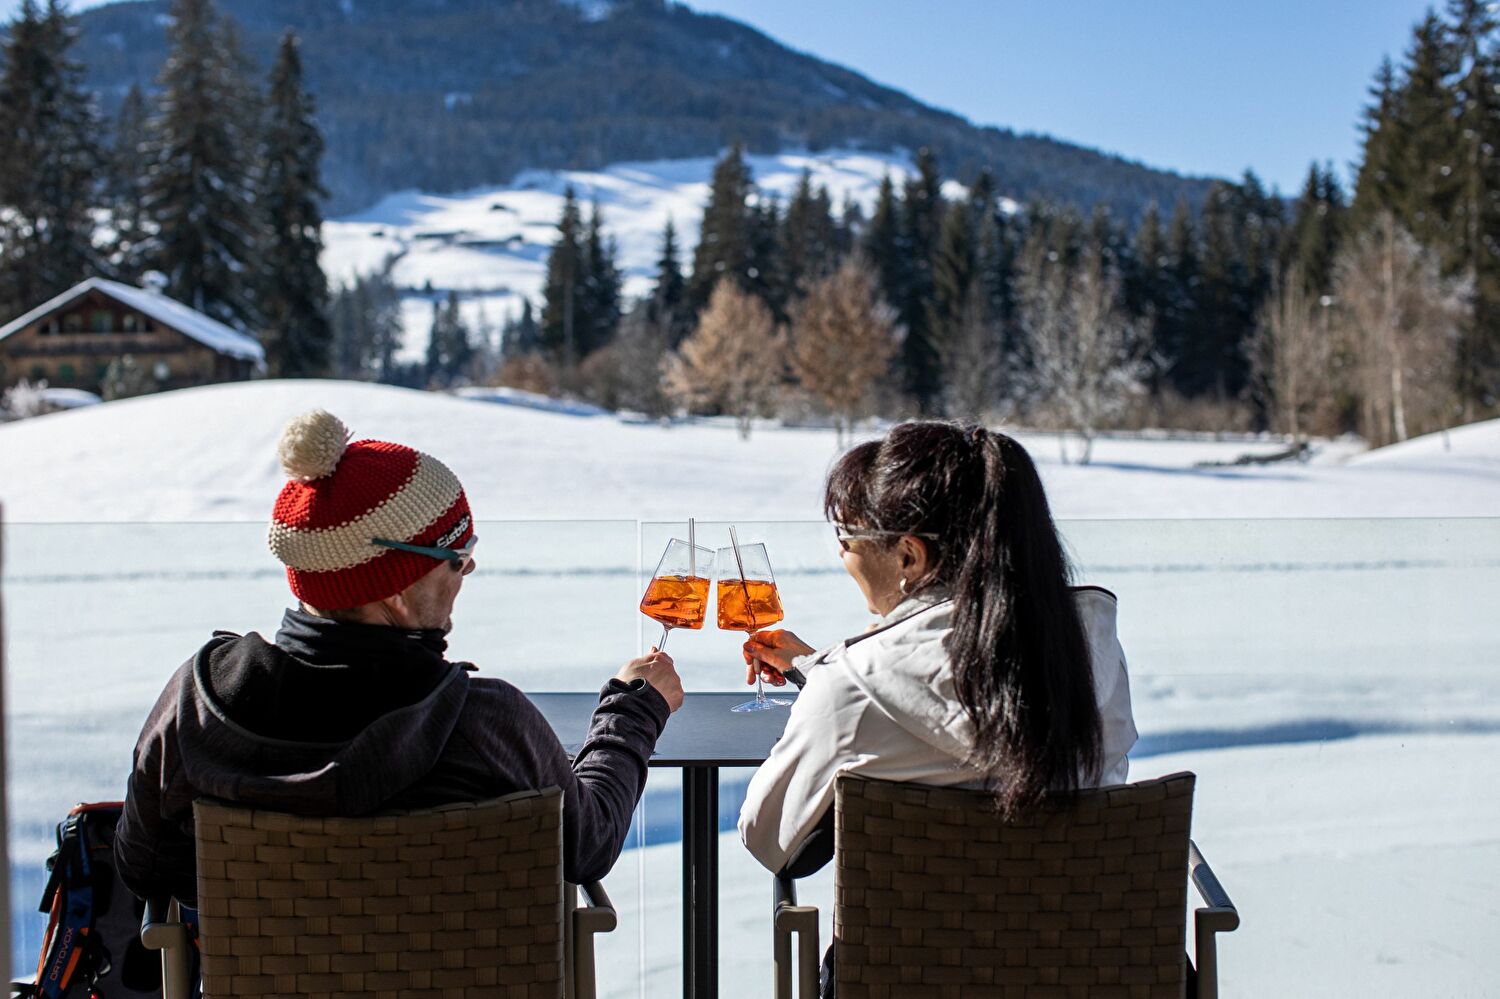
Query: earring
x=902 y=585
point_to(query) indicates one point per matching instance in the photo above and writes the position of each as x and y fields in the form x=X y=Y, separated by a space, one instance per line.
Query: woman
x=985 y=668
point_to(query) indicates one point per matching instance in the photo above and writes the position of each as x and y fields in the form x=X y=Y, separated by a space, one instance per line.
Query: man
x=353 y=708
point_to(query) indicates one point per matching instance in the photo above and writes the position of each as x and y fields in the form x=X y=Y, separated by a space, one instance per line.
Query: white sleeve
x=794 y=787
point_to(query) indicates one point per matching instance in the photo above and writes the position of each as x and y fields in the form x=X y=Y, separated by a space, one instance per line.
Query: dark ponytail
x=1021 y=662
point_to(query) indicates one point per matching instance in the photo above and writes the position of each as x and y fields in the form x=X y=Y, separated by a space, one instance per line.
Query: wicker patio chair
x=461 y=900
x=1085 y=896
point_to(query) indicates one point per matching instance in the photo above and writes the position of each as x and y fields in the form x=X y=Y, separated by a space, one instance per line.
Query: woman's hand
x=770 y=653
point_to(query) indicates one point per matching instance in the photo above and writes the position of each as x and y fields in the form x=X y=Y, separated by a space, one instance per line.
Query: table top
x=702 y=733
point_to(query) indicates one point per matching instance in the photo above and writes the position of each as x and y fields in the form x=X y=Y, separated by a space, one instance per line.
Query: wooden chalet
x=71 y=340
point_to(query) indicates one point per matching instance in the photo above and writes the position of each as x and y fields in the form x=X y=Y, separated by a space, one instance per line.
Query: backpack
x=92 y=945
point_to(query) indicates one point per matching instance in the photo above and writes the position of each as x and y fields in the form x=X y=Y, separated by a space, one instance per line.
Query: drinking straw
x=734 y=541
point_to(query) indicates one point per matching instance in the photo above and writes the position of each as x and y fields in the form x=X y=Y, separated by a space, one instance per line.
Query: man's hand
x=658 y=670
x=770 y=653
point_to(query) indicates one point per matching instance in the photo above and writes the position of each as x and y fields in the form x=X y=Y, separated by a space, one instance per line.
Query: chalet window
x=73 y=322
x=128 y=323
x=50 y=326
x=101 y=321
x=65 y=372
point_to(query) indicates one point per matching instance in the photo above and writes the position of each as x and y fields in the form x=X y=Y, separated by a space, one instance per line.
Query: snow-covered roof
x=170 y=312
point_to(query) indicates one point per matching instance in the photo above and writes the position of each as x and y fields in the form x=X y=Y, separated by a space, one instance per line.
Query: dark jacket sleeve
x=154 y=838
x=600 y=786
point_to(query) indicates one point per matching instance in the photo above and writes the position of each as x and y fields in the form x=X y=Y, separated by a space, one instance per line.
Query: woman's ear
x=912 y=551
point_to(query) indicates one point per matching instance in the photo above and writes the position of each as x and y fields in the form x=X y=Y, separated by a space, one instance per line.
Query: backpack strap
x=70 y=951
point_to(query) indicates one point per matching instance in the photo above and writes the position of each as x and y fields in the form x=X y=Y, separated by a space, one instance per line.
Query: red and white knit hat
x=341 y=495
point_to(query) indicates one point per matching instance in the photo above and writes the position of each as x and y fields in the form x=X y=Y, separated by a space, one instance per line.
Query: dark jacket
x=348 y=719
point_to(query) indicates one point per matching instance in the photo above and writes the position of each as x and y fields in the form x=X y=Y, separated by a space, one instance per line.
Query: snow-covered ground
x=1327 y=667
x=491 y=244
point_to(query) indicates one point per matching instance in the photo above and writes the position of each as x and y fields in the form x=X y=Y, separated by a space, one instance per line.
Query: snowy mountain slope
x=208 y=454
x=491 y=244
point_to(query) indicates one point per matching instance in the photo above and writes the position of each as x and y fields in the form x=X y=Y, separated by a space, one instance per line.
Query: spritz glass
x=748 y=602
x=677 y=596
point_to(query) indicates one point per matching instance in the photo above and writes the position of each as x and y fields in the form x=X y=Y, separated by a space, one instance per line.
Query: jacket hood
x=332 y=719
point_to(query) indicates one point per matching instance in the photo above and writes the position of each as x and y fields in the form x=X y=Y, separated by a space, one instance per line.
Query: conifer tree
x=125 y=189
x=1179 y=317
x=724 y=238
x=1477 y=206
x=521 y=335
x=1381 y=184
x=957 y=299
x=843 y=337
x=450 y=347
x=810 y=238
x=1312 y=241
x=295 y=293
x=921 y=221
x=562 y=329
x=201 y=184
x=882 y=243
x=599 y=301
x=667 y=307
x=49 y=163
x=765 y=267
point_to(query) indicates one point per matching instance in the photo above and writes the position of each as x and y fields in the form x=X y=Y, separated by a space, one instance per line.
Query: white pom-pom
x=311 y=445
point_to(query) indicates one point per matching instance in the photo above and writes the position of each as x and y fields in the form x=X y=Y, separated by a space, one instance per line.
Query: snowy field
x=491 y=244
x=1317 y=641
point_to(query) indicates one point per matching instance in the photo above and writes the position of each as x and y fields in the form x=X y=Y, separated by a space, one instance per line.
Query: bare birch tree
x=1084 y=350
x=970 y=358
x=1401 y=320
x=732 y=364
x=1290 y=353
x=843 y=337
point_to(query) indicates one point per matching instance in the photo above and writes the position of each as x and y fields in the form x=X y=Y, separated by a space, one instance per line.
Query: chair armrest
x=162 y=929
x=1218 y=915
x=789 y=918
x=597 y=916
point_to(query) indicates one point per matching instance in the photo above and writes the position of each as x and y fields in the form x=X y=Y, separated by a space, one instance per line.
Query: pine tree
x=562 y=331
x=49 y=163
x=765 y=266
x=882 y=243
x=1312 y=240
x=201 y=185
x=521 y=335
x=1179 y=319
x=1477 y=206
x=956 y=291
x=1381 y=185
x=724 y=238
x=294 y=298
x=450 y=348
x=921 y=220
x=809 y=238
x=667 y=308
x=125 y=188
x=843 y=337
x=599 y=301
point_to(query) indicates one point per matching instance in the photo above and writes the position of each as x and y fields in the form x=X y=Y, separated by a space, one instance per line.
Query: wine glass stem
x=661 y=646
x=760 y=693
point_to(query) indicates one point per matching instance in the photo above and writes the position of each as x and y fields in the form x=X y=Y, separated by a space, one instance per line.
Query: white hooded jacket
x=883 y=705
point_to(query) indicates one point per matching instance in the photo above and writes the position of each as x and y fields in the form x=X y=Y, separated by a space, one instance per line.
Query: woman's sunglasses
x=846 y=534
x=459 y=558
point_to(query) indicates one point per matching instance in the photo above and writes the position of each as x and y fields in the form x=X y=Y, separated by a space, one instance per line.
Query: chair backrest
x=1085 y=895
x=461 y=900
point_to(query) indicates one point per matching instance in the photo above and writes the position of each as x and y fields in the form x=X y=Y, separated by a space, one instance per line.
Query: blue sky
x=1198 y=86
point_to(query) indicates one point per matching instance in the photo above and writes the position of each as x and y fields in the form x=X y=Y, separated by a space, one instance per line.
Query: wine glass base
x=768 y=704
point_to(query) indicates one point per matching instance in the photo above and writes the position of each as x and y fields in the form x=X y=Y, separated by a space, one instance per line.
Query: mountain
x=446 y=95
x=490 y=244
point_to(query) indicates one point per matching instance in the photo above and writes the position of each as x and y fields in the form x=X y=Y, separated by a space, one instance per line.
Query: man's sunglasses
x=459 y=557
x=846 y=534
